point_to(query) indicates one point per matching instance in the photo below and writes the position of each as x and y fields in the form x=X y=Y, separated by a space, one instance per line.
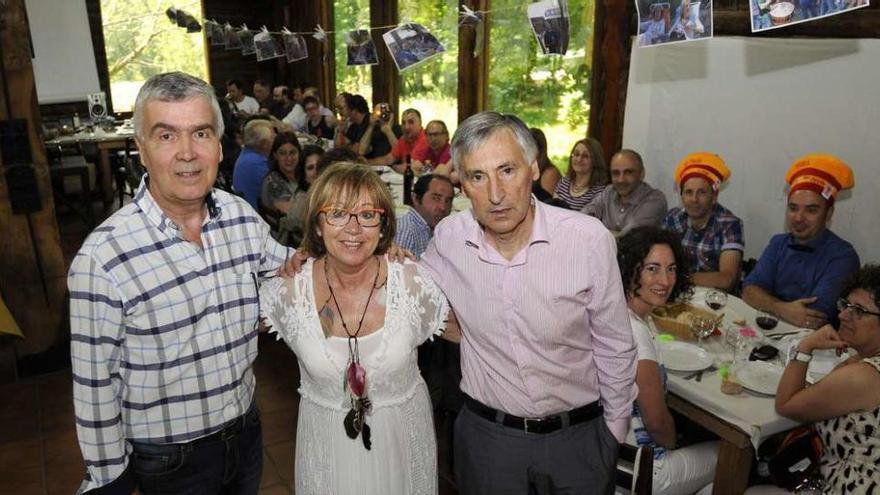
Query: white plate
x=759 y=376
x=681 y=356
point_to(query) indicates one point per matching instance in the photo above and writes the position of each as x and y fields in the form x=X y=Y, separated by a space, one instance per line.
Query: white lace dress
x=403 y=458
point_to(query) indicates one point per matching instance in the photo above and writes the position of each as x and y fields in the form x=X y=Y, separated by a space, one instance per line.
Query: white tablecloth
x=751 y=412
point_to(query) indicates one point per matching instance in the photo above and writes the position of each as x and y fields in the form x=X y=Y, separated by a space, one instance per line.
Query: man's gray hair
x=479 y=128
x=258 y=134
x=174 y=87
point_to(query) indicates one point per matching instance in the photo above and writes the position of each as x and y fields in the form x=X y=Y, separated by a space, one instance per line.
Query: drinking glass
x=702 y=327
x=766 y=320
x=716 y=299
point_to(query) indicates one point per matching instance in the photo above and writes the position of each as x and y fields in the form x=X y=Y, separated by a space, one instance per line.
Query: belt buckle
x=526 y=422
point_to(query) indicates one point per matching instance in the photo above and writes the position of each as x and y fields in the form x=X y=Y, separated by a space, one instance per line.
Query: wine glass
x=716 y=299
x=766 y=320
x=702 y=326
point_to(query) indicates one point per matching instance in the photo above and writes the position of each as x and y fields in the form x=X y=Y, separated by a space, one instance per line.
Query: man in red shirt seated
x=413 y=136
x=433 y=155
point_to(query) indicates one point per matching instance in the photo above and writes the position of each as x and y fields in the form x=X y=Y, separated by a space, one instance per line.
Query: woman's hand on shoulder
x=294 y=263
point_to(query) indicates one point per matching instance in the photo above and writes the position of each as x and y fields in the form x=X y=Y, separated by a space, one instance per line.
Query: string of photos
x=661 y=22
x=409 y=43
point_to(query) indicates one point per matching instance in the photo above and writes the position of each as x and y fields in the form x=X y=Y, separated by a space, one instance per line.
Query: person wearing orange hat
x=711 y=233
x=800 y=274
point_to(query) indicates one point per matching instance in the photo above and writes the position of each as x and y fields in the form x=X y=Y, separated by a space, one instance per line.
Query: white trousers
x=687 y=470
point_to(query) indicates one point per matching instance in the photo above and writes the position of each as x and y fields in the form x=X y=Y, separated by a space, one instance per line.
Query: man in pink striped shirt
x=548 y=360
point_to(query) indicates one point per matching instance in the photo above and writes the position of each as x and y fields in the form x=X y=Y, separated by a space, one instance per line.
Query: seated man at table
x=711 y=234
x=434 y=152
x=253 y=162
x=283 y=105
x=432 y=202
x=382 y=133
x=413 y=137
x=629 y=201
x=800 y=274
x=241 y=104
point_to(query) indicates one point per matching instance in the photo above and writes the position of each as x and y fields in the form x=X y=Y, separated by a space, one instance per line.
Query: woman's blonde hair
x=342 y=184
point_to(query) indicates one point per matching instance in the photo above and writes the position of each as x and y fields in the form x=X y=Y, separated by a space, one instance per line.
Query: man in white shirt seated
x=241 y=104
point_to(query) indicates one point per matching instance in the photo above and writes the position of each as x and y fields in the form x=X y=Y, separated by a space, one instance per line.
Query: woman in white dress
x=655 y=270
x=354 y=321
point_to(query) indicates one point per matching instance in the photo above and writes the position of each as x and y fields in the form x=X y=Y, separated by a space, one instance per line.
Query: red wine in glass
x=767 y=322
x=716 y=299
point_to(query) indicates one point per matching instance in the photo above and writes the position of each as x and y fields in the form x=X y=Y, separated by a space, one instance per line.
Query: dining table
x=742 y=420
x=106 y=141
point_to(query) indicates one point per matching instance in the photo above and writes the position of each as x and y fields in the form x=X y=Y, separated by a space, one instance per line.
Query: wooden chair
x=635 y=469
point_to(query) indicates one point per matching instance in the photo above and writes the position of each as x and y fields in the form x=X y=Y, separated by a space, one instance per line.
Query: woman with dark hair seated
x=285 y=187
x=655 y=270
x=845 y=405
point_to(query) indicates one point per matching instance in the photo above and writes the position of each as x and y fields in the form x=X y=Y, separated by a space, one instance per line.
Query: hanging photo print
x=217 y=34
x=673 y=21
x=361 y=49
x=231 y=37
x=266 y=46
x=294 y=46
x=772 y=14
x=549 y=20
x=247 y=40
x=411 y=44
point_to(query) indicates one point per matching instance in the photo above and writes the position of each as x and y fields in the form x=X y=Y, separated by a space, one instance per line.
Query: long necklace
x=355 y=378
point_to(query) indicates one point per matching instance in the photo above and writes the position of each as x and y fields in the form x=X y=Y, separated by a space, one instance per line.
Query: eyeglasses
x=857 y=311
x=338 y=217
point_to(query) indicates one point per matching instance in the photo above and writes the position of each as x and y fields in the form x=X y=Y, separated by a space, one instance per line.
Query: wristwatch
x=795 y=355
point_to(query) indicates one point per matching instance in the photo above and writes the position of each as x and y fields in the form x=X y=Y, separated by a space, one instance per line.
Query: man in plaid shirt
x=709 y=232
x=164 y=311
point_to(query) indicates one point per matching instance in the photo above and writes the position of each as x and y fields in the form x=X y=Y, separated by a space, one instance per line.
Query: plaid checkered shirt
x=723 y=231
x=413 y=232
x=163 y=331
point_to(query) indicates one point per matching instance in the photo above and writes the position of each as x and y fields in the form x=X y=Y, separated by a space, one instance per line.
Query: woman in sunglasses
x=655 y=270
x=354 y=321
x=845 y=405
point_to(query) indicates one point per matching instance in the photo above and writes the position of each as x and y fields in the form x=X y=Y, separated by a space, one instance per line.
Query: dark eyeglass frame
x=858 y=312
x=352 y=214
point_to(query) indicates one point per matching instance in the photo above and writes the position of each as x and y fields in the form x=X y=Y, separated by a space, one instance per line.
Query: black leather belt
x=547 y=424
x=232 y=429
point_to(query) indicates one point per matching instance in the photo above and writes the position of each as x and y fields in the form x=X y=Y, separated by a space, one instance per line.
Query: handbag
x=792 y=458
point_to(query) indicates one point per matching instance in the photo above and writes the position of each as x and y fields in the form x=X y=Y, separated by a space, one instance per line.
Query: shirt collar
x=475 y=235
x=419 y=219
x=810 y=246
x=145 y=201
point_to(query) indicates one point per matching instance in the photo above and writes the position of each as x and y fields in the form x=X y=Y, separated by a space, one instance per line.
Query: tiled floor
x=39 y=454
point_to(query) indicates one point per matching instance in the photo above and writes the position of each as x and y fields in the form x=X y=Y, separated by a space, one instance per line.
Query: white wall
x=64 y=63
x=760 y=104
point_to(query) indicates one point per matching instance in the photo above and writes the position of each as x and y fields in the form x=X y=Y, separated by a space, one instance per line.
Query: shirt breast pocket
x=240 y=304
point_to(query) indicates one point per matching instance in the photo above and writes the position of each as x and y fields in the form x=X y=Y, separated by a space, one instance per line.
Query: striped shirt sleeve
x=97 y=332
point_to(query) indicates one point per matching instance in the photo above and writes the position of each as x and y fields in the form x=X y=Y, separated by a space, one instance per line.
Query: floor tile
x=64 y=478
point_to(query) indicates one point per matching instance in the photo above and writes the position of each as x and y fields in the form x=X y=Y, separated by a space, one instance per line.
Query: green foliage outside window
x=137 y=40
x=551 y=92
x=349 y=15
x=432 y=86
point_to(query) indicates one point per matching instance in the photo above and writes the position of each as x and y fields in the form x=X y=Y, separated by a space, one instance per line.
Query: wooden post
x=612 y=44
x=32 y=269
x=386 y=79
x=473 y=72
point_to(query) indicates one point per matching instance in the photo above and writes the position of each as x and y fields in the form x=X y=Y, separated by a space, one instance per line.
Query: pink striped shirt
x=547 y=331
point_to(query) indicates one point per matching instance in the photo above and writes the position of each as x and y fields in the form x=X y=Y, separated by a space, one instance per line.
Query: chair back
x=635 y=469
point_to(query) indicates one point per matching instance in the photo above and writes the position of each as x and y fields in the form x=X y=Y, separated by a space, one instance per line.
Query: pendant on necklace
x=356 y=378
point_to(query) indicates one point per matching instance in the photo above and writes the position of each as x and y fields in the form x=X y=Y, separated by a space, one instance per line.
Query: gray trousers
x=493 y=459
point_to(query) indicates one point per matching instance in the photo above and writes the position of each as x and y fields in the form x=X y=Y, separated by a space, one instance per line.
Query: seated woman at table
x=655 y=270
x=285 y=188
x=353 y=318
x=587 y=175
x=845 y=405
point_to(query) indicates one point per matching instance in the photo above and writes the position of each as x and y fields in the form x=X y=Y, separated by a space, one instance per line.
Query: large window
x=349 y=15
x=137 y=34
x=551 y=92
x=432 y=86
